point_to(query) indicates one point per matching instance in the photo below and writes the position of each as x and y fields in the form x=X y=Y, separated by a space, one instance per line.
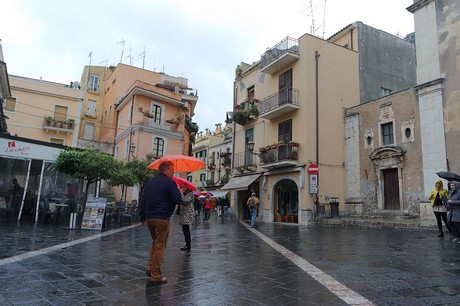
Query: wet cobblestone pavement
x=230 y=264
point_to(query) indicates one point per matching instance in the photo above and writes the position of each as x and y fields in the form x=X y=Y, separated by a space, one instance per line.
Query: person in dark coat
x=158 y=201
x=453 y=215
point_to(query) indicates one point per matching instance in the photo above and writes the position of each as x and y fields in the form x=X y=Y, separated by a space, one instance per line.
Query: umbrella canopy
x=449 y=176
x=181 y=181
x=182 y=163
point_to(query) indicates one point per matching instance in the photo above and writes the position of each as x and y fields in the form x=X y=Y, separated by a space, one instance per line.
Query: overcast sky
x=201 y=40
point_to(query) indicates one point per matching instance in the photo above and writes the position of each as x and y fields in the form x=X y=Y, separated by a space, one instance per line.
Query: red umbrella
x=182 y=163
x=181 y=181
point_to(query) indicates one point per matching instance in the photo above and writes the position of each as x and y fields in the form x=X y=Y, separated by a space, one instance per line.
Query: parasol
x=181 y=181
x=182 y=163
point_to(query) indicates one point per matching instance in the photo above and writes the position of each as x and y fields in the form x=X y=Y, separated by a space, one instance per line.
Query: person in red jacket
x=207 y=208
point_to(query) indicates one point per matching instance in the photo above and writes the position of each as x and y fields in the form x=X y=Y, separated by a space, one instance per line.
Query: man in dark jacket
x=157 y=204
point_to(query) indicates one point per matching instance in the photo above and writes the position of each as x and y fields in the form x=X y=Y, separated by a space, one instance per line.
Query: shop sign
x=15 y=148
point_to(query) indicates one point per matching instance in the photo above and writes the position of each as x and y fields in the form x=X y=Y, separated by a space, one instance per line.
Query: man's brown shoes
x=160 y=281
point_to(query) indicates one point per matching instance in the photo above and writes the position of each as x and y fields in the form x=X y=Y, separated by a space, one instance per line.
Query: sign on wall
x=313 y=183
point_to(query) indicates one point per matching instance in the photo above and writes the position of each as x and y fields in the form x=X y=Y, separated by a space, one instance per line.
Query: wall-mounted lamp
x=132 y=148
x=250 y=146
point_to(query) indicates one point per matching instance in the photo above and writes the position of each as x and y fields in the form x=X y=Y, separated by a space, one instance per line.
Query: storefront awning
x=240 y=182
x=219 y=194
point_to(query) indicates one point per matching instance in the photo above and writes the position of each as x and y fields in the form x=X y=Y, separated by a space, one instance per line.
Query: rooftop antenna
x=312 y=26
x=90 y=55
x=130 y=57
x=324 y=19
x=142 y=55
x=104 y=62
x=122 y=43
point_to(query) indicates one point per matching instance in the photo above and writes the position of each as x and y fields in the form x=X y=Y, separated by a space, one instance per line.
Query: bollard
x=73 y=220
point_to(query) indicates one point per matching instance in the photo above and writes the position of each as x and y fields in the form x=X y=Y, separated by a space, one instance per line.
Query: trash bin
x=334 y=209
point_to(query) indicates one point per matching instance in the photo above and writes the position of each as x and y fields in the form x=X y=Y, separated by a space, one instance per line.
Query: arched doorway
x=286 y=201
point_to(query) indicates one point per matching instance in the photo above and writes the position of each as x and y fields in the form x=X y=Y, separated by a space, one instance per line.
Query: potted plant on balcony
x=224 y=179
x=49 y=121
x=148 y=114
x=253 y=111
x=70 y=123
x=241 y=116
x=293 y=144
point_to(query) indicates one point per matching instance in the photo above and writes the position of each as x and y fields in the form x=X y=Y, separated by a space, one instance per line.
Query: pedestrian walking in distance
x=208 y=206
x=437 y=196
x=253 y=203
x=157 y=204
x=187 y=215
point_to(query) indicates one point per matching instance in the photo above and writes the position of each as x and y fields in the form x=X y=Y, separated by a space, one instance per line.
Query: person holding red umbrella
x=157 y=204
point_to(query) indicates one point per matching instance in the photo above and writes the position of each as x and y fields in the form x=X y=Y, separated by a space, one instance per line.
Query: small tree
x=140 y=170
x=88 y=165
x=123 y=176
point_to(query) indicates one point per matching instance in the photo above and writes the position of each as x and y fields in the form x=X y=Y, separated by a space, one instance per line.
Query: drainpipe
x=130 y=137
x=317 y=129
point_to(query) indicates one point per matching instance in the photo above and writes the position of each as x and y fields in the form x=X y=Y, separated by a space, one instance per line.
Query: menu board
x=93 y=217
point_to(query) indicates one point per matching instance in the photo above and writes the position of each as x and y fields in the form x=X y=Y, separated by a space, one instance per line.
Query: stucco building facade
x=43 y=110
x=285 y=109
x=146 y=115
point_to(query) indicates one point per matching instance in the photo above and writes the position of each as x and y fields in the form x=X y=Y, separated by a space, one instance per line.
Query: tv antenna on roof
x=122 y=43
x=324 y=19
x=312 y=26
x=130 y=57
x=142 y=55
x=90 y=55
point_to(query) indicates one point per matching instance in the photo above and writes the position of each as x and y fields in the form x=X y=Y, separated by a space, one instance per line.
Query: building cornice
x=417 y=5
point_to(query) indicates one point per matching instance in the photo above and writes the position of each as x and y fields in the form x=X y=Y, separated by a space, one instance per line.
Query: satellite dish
x=76 y=85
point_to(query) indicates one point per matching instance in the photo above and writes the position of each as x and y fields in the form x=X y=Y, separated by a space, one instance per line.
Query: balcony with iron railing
x=280 y=56
x=160 y=126
x=283 y=154
x=58 y=126
x=279 y=104
x=244 y=162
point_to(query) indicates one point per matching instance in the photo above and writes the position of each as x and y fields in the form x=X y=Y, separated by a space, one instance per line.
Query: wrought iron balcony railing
x=282 y=54
x=279 y=153
x=283 y=101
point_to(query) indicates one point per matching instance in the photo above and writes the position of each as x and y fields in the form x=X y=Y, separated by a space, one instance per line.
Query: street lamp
x=250 y=146
x=132 y=148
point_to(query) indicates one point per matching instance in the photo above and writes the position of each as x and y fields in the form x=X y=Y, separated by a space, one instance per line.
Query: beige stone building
x=289 y=110
x=383 y=156
x=396 y=178
x=437 y=28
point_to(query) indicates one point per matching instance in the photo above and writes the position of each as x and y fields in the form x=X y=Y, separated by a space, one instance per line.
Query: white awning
x=240 y=182
x=219 y=194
